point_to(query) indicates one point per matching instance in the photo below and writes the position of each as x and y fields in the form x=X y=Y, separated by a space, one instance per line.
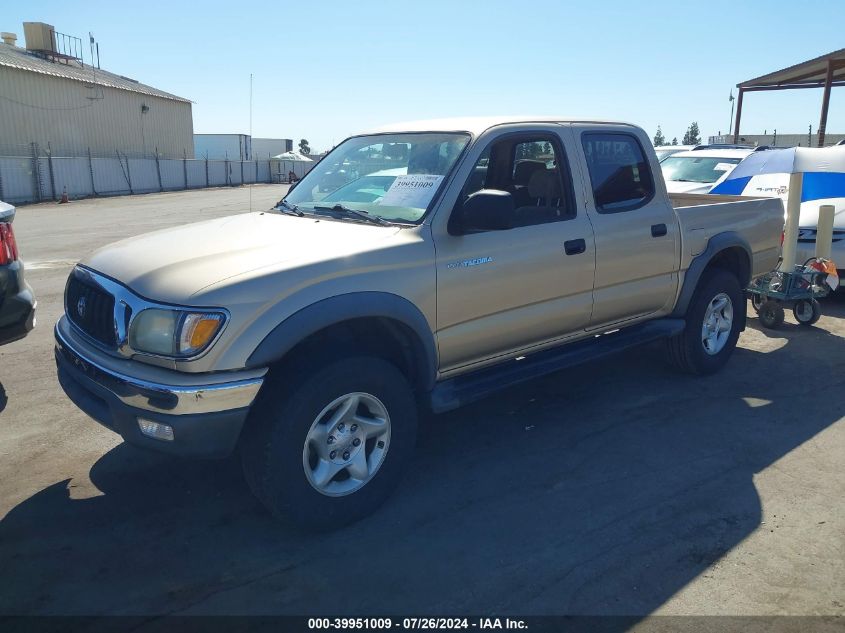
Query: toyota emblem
x=80 y=307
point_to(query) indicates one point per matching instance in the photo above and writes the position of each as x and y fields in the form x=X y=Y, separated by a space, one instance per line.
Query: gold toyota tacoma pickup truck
x=430 y=264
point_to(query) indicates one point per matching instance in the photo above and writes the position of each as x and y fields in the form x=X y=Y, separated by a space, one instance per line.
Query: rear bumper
x=206 y=418
x=17 y=304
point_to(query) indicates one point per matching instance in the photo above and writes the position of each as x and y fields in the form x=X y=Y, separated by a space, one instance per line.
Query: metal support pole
x=733 y=103
x=126 y=174
x=50 y=168
x=91 y=171
x=185 y=166
x=206 y=170
x=738 y=115
x=158 y=172
x=828 y=79
x=36 y=173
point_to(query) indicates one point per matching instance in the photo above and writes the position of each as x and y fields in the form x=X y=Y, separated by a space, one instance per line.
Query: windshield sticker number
x=414 y=190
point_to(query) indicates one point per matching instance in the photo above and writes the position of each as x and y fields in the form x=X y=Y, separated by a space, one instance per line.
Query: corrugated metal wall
x=72 y=116
x=32 y=180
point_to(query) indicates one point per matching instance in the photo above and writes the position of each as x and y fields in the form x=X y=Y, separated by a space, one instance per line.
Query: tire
x=279 y=443
x=718 y=293
x=757 y=301
x=807 y=311
x=771 y=314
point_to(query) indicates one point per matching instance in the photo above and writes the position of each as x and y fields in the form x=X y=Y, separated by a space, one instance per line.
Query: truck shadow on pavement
x=599 y=490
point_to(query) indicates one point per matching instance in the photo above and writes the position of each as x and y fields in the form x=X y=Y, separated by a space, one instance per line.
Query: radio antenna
x=255 y=167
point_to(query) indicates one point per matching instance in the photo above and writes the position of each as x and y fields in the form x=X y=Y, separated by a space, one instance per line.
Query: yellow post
x=824 y=231
x=793 y=216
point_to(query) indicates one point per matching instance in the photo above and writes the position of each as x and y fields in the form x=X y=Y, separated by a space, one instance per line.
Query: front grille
x=91 y=309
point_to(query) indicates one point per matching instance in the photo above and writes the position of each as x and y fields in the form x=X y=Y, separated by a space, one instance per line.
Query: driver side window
x=533 y=171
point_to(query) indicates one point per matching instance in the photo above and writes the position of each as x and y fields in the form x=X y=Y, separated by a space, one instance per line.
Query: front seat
x=544 y=199
x=522 y=173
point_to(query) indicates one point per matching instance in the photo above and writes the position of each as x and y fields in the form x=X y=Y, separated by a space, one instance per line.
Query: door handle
x=658 y=230
x=574 y=247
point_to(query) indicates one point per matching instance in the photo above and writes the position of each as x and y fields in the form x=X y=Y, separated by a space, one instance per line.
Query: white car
x=698 y=171
x=664 y=151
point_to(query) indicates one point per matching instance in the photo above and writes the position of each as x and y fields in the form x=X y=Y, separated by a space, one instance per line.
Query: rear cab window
x=620 y=175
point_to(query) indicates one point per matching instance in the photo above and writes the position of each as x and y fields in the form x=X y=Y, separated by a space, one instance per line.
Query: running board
x=456 y=392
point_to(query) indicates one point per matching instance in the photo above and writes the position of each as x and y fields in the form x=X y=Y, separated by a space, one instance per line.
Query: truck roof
x=477 y=125
x=715 y=153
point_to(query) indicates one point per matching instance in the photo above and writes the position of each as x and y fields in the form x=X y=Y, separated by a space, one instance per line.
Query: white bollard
x=824 y=231
x=793 y=216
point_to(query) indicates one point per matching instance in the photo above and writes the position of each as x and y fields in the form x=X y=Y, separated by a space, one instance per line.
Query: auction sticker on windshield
x=413 y=190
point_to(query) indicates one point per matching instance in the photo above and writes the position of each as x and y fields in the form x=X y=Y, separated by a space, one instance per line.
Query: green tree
x=659 y=139
x=692 y=135
x=303 y=147
x=675 y=141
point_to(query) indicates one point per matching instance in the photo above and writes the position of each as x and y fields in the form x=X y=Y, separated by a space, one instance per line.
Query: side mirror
x=486 y=210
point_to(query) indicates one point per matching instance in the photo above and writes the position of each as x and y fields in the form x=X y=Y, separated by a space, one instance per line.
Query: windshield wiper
x=354 y=213
x=291 y=209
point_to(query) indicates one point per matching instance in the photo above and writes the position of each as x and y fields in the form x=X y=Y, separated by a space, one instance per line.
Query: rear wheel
x=714 y=319
x=757 y=302
x=328 y=448
x=807 y=311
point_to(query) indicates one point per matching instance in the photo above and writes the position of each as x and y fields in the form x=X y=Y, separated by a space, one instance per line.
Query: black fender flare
x=715 y=245
x=333 y=310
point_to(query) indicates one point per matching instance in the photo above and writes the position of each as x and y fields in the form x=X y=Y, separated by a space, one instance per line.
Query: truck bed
x=757 y=220
x=697 y=199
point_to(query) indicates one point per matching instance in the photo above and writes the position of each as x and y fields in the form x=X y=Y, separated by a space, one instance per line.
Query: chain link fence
x=45 y=174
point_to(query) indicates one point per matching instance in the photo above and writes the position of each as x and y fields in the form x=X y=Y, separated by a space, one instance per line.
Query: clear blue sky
x=326 y=69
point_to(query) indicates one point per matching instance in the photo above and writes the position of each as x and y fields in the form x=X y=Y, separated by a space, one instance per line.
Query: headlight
x=174 y=333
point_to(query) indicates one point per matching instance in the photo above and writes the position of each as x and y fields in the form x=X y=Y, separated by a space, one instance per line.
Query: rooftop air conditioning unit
x=39 y=36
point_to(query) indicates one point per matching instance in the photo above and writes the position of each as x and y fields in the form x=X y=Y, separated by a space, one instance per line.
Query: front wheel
x=771 y=314
x=327 y=448
x=714 y=319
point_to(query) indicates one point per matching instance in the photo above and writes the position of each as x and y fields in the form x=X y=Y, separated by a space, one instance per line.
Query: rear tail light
x=8 y=246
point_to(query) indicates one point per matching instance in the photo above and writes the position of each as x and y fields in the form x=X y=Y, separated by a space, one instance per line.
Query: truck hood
x=173 y=264
x=677 y=186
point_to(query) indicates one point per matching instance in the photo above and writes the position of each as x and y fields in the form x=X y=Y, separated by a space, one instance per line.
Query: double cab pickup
x=419 y=265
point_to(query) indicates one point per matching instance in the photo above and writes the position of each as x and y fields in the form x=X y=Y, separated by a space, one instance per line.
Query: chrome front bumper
x=205 y=412
x=162 y=398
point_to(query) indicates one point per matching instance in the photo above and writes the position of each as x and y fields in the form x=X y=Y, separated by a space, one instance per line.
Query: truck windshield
x=697 y=169
x=392 y=176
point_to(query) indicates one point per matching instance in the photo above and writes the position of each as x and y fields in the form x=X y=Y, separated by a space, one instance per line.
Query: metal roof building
x=50 y=98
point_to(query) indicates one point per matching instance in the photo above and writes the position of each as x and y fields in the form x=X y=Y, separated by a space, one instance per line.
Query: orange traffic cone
x=64 y=196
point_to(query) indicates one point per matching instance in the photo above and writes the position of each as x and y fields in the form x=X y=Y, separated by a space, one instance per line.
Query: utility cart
x=800 y=290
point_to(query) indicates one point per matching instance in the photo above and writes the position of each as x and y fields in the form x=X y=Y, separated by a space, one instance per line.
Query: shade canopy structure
x=824 y=72
x=293 y=157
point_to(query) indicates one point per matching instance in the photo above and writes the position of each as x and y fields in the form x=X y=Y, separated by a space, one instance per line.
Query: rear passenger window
x=619 y=173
